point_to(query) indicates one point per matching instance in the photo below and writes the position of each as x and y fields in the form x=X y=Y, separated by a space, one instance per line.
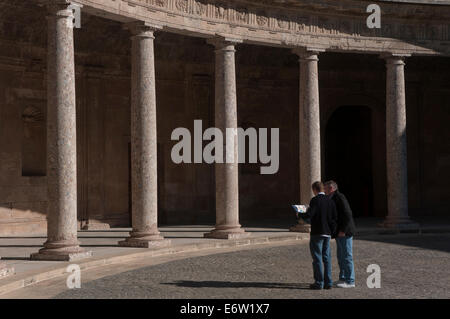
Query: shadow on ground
x=229 y=284
x=440 y=242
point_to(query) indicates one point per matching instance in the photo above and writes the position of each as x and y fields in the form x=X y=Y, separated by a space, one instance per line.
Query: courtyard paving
x=42 y=279
x=412 y=266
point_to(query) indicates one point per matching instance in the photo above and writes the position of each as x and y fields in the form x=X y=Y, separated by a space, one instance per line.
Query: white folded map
x=300 y=209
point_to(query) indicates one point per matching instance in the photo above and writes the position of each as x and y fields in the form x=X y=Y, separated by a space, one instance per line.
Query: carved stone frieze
x=305 y=19
x=323 y=23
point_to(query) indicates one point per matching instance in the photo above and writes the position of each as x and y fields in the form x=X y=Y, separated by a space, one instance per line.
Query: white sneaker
x=345 y=285
x=339 y=282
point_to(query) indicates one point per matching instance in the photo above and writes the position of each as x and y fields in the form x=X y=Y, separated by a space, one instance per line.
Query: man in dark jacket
x=323 y=215
x=344 y=236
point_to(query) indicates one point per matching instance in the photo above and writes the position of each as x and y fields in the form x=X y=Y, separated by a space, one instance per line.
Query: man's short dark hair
x=332 y=184
x=318 y=187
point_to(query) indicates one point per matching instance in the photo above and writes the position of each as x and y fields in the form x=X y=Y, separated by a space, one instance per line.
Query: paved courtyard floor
x=412 y=266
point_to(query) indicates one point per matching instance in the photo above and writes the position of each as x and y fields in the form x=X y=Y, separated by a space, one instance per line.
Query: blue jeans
x=320 y=252
x=344 y=247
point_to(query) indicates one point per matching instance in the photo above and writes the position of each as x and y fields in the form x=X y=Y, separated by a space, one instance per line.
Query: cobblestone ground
x=412 y=266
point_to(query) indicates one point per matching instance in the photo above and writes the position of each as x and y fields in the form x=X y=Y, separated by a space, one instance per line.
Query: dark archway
x=348 y=156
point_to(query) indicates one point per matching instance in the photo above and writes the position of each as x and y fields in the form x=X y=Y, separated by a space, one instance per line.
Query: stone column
x=309 y=126
x=62 y=242
x=227 y=173
x=396 y=155
x=144 y=171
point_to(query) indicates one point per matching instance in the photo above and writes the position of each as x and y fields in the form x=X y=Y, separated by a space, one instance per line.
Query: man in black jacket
x=323 y=215
x=344 y=236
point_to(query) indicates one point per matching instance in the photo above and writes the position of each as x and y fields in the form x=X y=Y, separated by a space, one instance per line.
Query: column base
x=147 y=239
x=301 y=227
x=5 y=270
x=227 y=233
x=142 y=243
x=400 y=223
x=96 y=226
x=68 y=250
x=70 y=256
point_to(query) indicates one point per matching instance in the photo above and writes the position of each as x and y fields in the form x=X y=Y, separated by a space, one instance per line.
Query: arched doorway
x=348 y=156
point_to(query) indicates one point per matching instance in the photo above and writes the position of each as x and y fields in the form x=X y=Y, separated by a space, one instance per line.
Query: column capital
x=395 y=58
x=57 y=7
x=308 y=53
x=223 y=43
x=58 y=2
x=142 y=28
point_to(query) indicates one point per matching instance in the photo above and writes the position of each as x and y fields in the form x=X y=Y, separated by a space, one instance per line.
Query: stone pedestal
x=5 y=270
x=396 y=155
x=62 y=242
x=144 y=172
x=301 y=227
x=96 y=226
x=227 y=173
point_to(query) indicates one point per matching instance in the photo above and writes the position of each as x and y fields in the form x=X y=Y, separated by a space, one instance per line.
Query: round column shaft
x=396 y=144
x=309 y=129
x=62 y=242
x=144 y=171
x=309 y=124
x=227 y=173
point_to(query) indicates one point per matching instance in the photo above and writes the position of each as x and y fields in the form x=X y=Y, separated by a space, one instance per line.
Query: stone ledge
x=226 y=235
x=32 y=277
